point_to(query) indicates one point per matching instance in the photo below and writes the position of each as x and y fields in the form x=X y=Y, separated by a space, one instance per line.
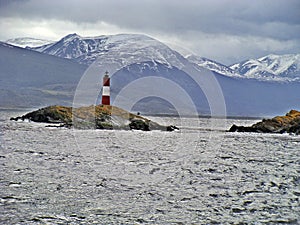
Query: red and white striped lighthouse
x=106 y=90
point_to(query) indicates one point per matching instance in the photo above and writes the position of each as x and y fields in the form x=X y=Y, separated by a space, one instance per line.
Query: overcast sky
x=224 y=30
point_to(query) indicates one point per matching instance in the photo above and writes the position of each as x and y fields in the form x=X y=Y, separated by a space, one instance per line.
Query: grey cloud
x=276 y=20
x=214 y=16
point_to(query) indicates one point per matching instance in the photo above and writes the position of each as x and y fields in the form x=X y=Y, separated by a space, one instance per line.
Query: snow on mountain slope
x=213 y=66
x=25 y=74
x=123 y=49
x=28 y=42
x=142 y=56
x=271 y=68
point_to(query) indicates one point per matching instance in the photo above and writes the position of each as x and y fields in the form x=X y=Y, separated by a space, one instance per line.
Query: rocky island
x=290 y=123
x=92 y=117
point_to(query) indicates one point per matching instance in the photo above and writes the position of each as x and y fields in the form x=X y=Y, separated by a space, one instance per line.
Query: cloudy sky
x=224 y=30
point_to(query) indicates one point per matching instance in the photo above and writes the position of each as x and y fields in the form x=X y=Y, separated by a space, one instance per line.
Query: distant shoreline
x=205 y=116
x=159 y=114
x=16 y=109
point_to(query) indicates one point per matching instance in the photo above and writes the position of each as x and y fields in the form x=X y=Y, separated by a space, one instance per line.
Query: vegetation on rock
x=290 y=123
x=93 y=117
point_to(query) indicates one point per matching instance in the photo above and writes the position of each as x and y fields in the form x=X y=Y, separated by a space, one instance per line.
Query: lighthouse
x=106 y=90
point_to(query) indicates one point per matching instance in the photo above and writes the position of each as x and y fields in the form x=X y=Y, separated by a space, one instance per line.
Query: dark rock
x=51 y=114
x=290 y=123
x=233 y=128
x=172 y=128
x=138 y=124
x=236 y=128
x=92 y=117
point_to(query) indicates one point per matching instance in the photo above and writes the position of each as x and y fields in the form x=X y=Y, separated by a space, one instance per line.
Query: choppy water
x=199 y=175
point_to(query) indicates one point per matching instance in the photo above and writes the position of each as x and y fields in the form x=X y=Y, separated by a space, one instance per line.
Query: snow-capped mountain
x=28 y=42
x=271 y=68
x=212 y=65
x=123 y=49
x=29 y=77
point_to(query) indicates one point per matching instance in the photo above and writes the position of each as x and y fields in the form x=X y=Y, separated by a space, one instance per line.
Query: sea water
x=200 y=174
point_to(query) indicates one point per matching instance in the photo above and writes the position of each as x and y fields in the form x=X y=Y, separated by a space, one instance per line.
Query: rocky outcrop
x=51 y=114
x=93 y=117
x=138 y=124
x=290 y=123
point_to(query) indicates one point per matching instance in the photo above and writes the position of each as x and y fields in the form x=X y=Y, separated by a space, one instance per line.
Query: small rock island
x=93 y=117
x=290 y=123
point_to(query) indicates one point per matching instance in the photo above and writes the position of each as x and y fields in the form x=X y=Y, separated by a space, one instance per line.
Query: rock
x=236 y=128
x=138 y=124
x=147 y=125
x=172 y=128
x=93 y=117
x=290 y=123
x=16 y=118
x=51 y=114
x=294 y=129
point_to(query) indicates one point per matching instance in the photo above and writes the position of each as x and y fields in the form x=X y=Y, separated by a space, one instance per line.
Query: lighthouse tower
x=106 y=90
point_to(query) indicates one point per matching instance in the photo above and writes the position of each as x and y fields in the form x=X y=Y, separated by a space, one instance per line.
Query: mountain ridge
x=86 y=50
x=271 y=68
x=151 y=60
x=30 y=42
x=124 y=47
x=213 y=66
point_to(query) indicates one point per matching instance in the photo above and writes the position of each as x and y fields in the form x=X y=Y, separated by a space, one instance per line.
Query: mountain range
x=271 y=68
x=28 y=42
x=263 y=86
x=86 y=50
